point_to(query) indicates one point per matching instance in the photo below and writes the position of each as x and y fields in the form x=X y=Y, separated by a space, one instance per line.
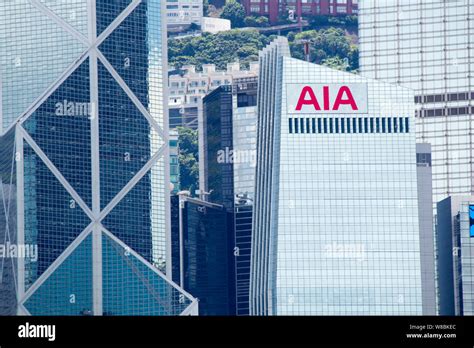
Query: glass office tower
x=202 y=253
x=335 y=228
x=8 y=301
x=244 y=142
x=228 y=155
x=425 y=218
x=428 y=46
x=84 y=166
x=455 y=234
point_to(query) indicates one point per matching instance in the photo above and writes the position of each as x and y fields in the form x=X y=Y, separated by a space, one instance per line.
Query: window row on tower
x=348 y=125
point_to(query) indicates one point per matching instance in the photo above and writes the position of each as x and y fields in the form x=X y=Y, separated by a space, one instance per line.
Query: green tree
x=219 y=49
x=346 y=22
x=354 y=58
x=343 y=21
x=262 y=21
x=247 y=51
x=252 y=21
x=336 y=63
x=291 y=36
x=205 y=8
x=243 y=45
x=188 y=159
x=318 y=21
x=235 y=12
x=330 y=46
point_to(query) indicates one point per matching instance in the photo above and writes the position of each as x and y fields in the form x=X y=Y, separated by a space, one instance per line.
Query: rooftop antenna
x=306 y=45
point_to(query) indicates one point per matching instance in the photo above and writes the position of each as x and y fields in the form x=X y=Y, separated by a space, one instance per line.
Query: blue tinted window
x=471 y=220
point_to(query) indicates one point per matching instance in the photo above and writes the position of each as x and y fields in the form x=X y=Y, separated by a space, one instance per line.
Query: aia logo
x=327 y=98
x=344 y=97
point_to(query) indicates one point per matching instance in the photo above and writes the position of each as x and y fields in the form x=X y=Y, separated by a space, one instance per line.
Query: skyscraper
x=455 y=238
x=335 y=228
x=428 y=47
x=425 y=216
x=228 y=155
x=244 y=130
x=202 y=253
x=216 y=147
x=86 y=157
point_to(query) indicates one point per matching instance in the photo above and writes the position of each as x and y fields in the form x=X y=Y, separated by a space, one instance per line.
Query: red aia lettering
x=311 y=101
x=344 y=97
x=348 y=101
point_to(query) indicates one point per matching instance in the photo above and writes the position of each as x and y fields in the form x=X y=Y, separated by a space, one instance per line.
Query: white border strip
x=61 y=22
x=131 y=95
x=146 y=263
x=58 y=262
x=131 y=184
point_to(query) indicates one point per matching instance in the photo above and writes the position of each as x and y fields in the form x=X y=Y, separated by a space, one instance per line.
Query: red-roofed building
x=273 y=8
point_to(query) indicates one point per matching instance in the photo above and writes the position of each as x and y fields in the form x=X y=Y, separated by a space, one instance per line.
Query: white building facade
x=428 y=46
x=215 y=25
x=335 y=228
x=183 y=13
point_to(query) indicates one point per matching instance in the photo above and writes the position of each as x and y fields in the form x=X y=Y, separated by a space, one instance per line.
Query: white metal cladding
x=428 y=46
x=269 y=90
x=336 y=214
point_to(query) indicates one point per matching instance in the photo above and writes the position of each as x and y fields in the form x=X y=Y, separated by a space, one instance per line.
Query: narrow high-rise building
x=455 y=238
x=425 y=216
x=335 y=229
x=202 y=253
x=244 y=129
x=428 y=46
x=84 y=163
x=228 y=155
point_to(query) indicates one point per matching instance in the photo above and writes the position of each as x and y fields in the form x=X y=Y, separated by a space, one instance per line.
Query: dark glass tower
x=217 y=119
x=455 y=261
x=229 y=155
x=203 y=260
